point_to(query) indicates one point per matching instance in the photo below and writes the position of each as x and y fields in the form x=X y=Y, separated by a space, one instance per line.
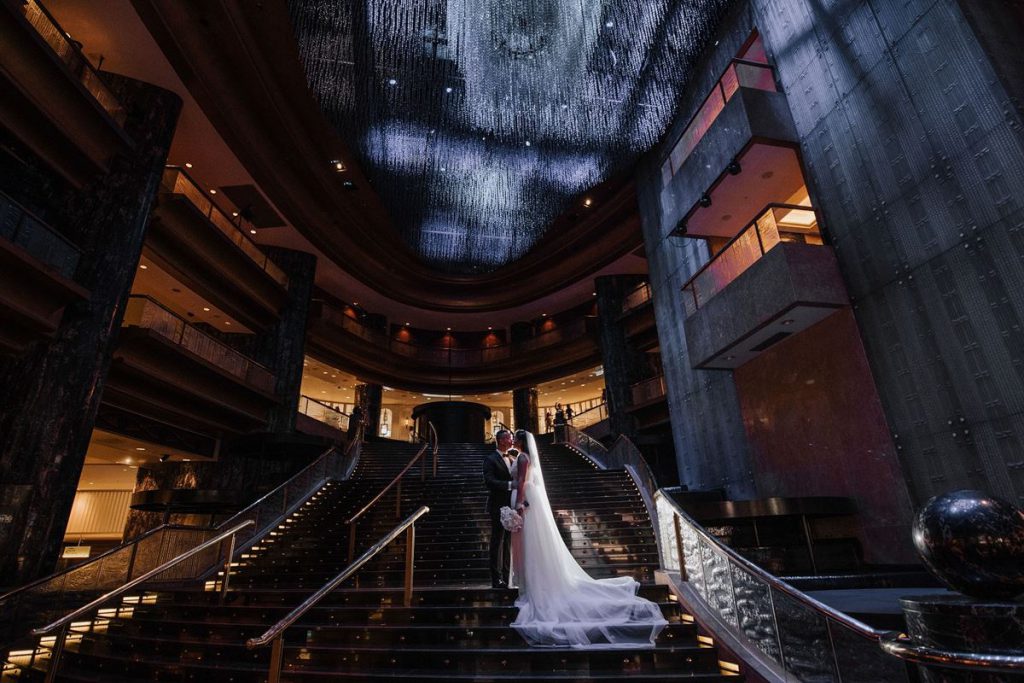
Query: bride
x=559 y=603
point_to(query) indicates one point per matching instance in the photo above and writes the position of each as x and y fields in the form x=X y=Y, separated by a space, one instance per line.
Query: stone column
x=369 y=396
x=524 y=408
x=623 y=364
x=282 y=347
x=52 y=393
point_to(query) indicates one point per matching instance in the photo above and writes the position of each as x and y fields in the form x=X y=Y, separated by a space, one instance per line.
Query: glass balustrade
x=70 y=53
x=648 y=390
x=636 y=298
x=42 y=242
x=739 y=74
x=776 y=223
x=323 y=412
x=145 y=312
x=177 y=181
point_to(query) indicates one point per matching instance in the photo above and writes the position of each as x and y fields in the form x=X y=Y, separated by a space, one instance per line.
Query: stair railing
x=396 y=482
x=274 y=636
x=62 y=626
x=806 y=638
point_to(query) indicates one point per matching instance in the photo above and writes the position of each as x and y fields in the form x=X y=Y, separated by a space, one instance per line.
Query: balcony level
x=374 y=356
x=773 y=280
x=54 y=101
x=637 y=317
x=198 y=244
x=744 y=114
x=170 y=371
x=649 y=404
x=36 y=269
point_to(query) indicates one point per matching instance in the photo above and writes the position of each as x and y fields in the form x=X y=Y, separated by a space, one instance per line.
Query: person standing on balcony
x=354 y=421
x=548 y=421
x=569 y=413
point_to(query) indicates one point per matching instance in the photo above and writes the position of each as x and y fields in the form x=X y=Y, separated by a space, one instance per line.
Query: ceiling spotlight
x=338 y=165
x=704 y=201
x=609 y=24
x=213 y=191
x=206 y=308
x=252 y=230
x=490 y=327
x=448 y=89
x=165 y=457
x=407 y=324
x=392 y=81
x=139 y=448
x=143 y=266
x=734 y=167
x=188 y=164
x=448 y=329
x=527 y=143
x=227 y=322
x=588 y=201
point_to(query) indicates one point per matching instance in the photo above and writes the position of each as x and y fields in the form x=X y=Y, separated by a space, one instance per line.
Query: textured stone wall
x=914 y=155
x=623 y=364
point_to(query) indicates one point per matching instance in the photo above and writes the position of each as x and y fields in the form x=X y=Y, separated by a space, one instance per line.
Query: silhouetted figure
x=569 y=413
x=354 y=420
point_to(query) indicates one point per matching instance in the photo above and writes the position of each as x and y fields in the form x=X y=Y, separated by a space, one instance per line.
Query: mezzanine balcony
x=774 y=279
x=54 y=101
x=637 y=317
x=37 y=265
x=196 y=241
x=171 y=371
x=649 y=405
x=375 y=356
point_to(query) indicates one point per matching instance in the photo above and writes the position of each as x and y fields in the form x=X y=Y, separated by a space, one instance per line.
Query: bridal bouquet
x=510 y=519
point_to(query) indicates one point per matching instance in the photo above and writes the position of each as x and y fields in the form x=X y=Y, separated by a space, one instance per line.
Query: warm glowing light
x=206 y=308
x=588 y=201
x=188 y=164
x=143 y=266
x=213 y=191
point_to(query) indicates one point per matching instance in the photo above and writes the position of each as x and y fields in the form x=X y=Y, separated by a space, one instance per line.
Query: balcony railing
x=636 y=298
x=590 y=417
x=145 y=312
x=648 y=390
x=453 y=356
x=177 y=181
x=776 y=223
x=22 y=228
x=70 y=53
x=739 y=73
x=322 y=412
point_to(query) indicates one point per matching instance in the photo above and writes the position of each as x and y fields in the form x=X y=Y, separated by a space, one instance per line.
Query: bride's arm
x=522 y=469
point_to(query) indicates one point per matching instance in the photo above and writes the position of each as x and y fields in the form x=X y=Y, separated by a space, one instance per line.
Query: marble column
x=52 y=393
x=369 y=396
x=623 y=364
x=524 y=408
x=282 y=347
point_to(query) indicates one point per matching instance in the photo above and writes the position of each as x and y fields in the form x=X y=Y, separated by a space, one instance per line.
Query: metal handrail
x=325 y=405
x=275 y=634
x=437 y=445
x=904 y=648
x=62 y=625
x=396 y=481
x=774 y=581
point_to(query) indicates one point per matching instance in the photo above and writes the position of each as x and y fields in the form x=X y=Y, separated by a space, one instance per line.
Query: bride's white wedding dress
x=559 y=603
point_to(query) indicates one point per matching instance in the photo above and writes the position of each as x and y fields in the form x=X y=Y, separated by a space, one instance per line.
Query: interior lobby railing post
x=55 y=653
x=410 y=553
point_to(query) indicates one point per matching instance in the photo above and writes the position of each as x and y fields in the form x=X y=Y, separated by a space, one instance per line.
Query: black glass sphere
x=973 y=543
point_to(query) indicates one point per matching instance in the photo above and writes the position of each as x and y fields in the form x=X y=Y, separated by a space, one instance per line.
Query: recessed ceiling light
x=527 y=143
x=234 y=214
x=588 y=201
x=186 y=459
x=338 y=165
x=609 y=24
x=143 y=266
x=252 y=230
x=227 y=322
x=139 y=448
x=188 y=164
x=448 y=89
x=392 y=81
x=213 y=191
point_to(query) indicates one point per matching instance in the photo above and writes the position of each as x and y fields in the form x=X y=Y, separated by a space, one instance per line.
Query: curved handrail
x=109 y=595
x=380 y=494
x=437 y=445
x=900 y=646
x=774 y=581
x=310 y=602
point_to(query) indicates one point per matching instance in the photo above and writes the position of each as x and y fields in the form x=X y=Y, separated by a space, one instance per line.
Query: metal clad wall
x=915 y=158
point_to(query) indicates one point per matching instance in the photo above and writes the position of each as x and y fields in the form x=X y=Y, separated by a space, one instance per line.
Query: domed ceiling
x=479 y=121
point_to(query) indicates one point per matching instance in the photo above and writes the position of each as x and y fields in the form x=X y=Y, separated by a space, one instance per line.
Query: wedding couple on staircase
x=559 y=603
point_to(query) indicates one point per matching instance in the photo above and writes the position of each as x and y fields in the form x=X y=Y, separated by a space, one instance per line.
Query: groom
x=498 y=478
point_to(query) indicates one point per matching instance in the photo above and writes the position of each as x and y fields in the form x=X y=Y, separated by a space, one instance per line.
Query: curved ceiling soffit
x=240 y=62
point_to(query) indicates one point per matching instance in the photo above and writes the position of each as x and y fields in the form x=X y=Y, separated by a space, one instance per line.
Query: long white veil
x=559 y=603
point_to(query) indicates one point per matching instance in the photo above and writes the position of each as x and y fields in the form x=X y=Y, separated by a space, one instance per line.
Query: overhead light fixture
x=392 y=81
x=227 y=322
x=143 y=266
x=704 y=201
x=734 y=167
x=188 y=164
x=139 y=448
x=338 y=165
x=212 y=191
x=448 y=89
x=206 y=308
x=527 y=143
x=234 y=214
x=588 y=201
x=252 y=230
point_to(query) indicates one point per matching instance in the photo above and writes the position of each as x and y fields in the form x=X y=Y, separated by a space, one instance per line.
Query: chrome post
x=351 y=541
x=276 y=659
x=227 y=568
x=832 y=647
x=410 y=551
x=56 y=652
x=679 y=548
x=398 y=500
x=131 y=561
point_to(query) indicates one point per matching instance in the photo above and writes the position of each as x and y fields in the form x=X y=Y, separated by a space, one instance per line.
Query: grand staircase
x=457 y=628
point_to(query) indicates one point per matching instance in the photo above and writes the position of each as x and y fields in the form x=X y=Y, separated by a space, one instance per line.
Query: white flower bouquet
x=510 y=519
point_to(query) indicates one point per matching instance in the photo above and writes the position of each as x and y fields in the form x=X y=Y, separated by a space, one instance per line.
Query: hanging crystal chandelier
x=480 y=121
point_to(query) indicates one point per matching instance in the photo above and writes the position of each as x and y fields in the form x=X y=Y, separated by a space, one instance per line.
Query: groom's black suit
x=499 y=494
